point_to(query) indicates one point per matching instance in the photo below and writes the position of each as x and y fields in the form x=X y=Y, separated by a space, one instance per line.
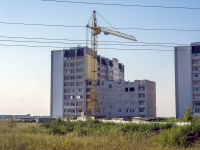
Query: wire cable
x=124 y=28
x=124 y=5
x=51 y=39
x=37 y=46
x=128 y=45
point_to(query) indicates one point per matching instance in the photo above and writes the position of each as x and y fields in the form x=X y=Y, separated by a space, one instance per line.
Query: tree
x=189 y=114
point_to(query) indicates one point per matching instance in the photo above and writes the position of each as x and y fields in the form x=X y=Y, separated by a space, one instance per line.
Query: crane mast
x=92 y=108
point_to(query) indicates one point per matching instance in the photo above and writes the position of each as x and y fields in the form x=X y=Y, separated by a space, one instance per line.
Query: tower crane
x=92 y=107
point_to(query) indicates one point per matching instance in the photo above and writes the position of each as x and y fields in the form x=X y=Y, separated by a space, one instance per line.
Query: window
x=72 y=104
x=79 y=64
x=103 y=77
x=66 y=91
x=141 y=88
x=197 y=110
x=196 y=82
x=130 y=96
x=79 y=96
x=79 y=83
x=79 y=57
x=119 y=110
x=87 y=90
x=131 y=89
x=88 y=83
x=79 y=70
x=70 y=71
x=79 y=77
x=196 y=89
x=196 y=75
x=72 y=97
x=141 y=109
x=110 y=85
x=126 y=89
x=141 y=96
x=66 y=110
x=141 y=103
x=101 y=103
x=79 y=90
x=80 y=110
x=196 y=96
x=72 y=84
x=197 y=103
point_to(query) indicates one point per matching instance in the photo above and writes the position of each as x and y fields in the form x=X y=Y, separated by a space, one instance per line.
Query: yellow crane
x=92 y=108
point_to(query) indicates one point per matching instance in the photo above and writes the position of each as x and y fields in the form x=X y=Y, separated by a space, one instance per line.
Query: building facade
x=127 y=99
x=187 y=78
x=70 y=79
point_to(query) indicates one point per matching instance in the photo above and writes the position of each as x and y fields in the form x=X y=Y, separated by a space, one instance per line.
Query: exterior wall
x=127 y=99
x=183 y=79
x=70 y=69
x=150 y=95
x=70 y=86
x=56 y=84
x=195 y=48
x=187 y=78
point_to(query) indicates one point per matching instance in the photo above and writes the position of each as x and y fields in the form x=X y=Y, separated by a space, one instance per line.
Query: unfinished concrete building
x=70 y=84
x=127 y=99
x=70 y=74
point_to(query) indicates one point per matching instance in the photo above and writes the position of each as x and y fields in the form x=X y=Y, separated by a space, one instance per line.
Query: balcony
x=141 y=98
x=69 y=74
x=69 y=100
x=196 y=85
x=69 y=87
x=70 y=107
x=195 y=92
x=195 y=57
x=196 y=65
x=80 y=73
x=195 y=78
x=141 y=106
x=80 y=60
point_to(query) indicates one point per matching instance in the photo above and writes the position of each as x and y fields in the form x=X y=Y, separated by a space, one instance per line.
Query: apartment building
x=70 y=79
x=187 y=78
x=127 y=99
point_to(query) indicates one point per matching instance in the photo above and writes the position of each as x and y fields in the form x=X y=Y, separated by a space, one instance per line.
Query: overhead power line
x=123 y=49
x=50 y=39
x=124 y=5
x=82 y=43
x=122 y=28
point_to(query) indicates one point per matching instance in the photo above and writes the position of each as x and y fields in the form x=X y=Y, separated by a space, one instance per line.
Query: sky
x=25 y=71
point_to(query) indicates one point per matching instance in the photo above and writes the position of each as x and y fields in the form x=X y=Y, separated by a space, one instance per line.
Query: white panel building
x=70 y=73
x=127 y=99
x=70 y=86
x=187 y=78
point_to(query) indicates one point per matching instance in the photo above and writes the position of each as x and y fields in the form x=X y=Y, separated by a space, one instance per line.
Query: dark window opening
x=131 y=89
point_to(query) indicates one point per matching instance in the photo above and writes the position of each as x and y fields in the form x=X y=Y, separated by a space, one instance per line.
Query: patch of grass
x=89 y=135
